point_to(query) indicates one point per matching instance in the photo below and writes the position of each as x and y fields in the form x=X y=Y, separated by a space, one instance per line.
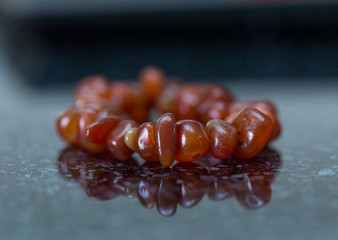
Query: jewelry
x=198 y=119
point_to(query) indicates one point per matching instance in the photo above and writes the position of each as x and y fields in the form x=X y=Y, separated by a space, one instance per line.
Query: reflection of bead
x=184 y=184
x=98 y=120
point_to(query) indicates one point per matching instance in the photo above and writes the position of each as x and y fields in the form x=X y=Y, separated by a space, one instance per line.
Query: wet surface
x=38 y=202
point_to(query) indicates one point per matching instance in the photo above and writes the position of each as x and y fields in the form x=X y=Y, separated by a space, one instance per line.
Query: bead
x=98 y=131
x=87 y=116
x=130 y=138
x=67 y=125
x=165 y=135
x=152 y=81
x=192 y=141
x=146 y=143
x=115 y=140
x=94 y=85
x=223 y=138
x=253 y=128
x=188 y=98
x=211 y=109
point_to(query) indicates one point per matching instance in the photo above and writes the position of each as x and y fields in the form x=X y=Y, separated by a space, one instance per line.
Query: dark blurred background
x=53 y=42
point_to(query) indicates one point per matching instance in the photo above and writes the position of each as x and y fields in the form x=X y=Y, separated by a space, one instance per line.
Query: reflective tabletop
x=49 y=190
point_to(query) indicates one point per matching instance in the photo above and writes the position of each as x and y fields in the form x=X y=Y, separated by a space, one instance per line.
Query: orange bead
x=219 y=93
x=94 y=85
x=165 y=135
x=152 y=80
x=192 y=141
x=254 y=129
x=211 y=109
x=98 y=131
x=146 y=143
x=223 y=138
x=87 y=116
x=115 y=140
x=67 y=124
x=130 y=138
x=188 y=99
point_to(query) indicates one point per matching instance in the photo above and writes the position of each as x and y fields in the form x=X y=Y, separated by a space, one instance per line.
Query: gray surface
x=37 y=203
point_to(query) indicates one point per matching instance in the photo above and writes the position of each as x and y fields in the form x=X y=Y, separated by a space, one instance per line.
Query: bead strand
x=204 y=119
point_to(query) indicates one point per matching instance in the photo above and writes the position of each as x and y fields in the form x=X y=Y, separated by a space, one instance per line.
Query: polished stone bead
x=165 y=134
x=223 y=138
x=192 y=141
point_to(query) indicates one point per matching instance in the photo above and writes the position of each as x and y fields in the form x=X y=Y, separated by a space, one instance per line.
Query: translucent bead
x=115 y=140
x=253 y=128
x=223 y=138
x=165 y=134
x=192 y=141
x=146 y=142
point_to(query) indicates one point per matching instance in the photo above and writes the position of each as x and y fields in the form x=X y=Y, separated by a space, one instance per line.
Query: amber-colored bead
x=188 y=99
x=87 y=116
x=152 y=80
x=219 y=93
x=94 y=86
x=223 y=138
x=192 y=141
x=166 y=101
x=130 y=138
x=211 y=109
x=115 y=140
x=146 y=143
x=67 y=124
x=98 y=131
x=253 y=128
x=165 y=135
x=121 y=95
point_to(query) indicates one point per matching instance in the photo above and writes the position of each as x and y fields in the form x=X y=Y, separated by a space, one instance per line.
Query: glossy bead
x=115 y=140
x=146 y=142
x=67 y=124
x=192 y=141
x=166 y=101
x=152 y=80
x=253 y=128
x=87 y=116
x=98 y=131
x=165 y=135
x=130 y=138
x=219 y=93
x=223 y=138
x=188 y=98
x=94 y=85
x=211 y=109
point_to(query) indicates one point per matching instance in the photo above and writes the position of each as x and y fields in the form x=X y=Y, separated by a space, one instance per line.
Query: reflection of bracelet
x=184 y=184
x=102 y=113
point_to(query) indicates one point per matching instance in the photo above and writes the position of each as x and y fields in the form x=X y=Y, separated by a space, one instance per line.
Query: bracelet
x=184 y=184
x=198 y=119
